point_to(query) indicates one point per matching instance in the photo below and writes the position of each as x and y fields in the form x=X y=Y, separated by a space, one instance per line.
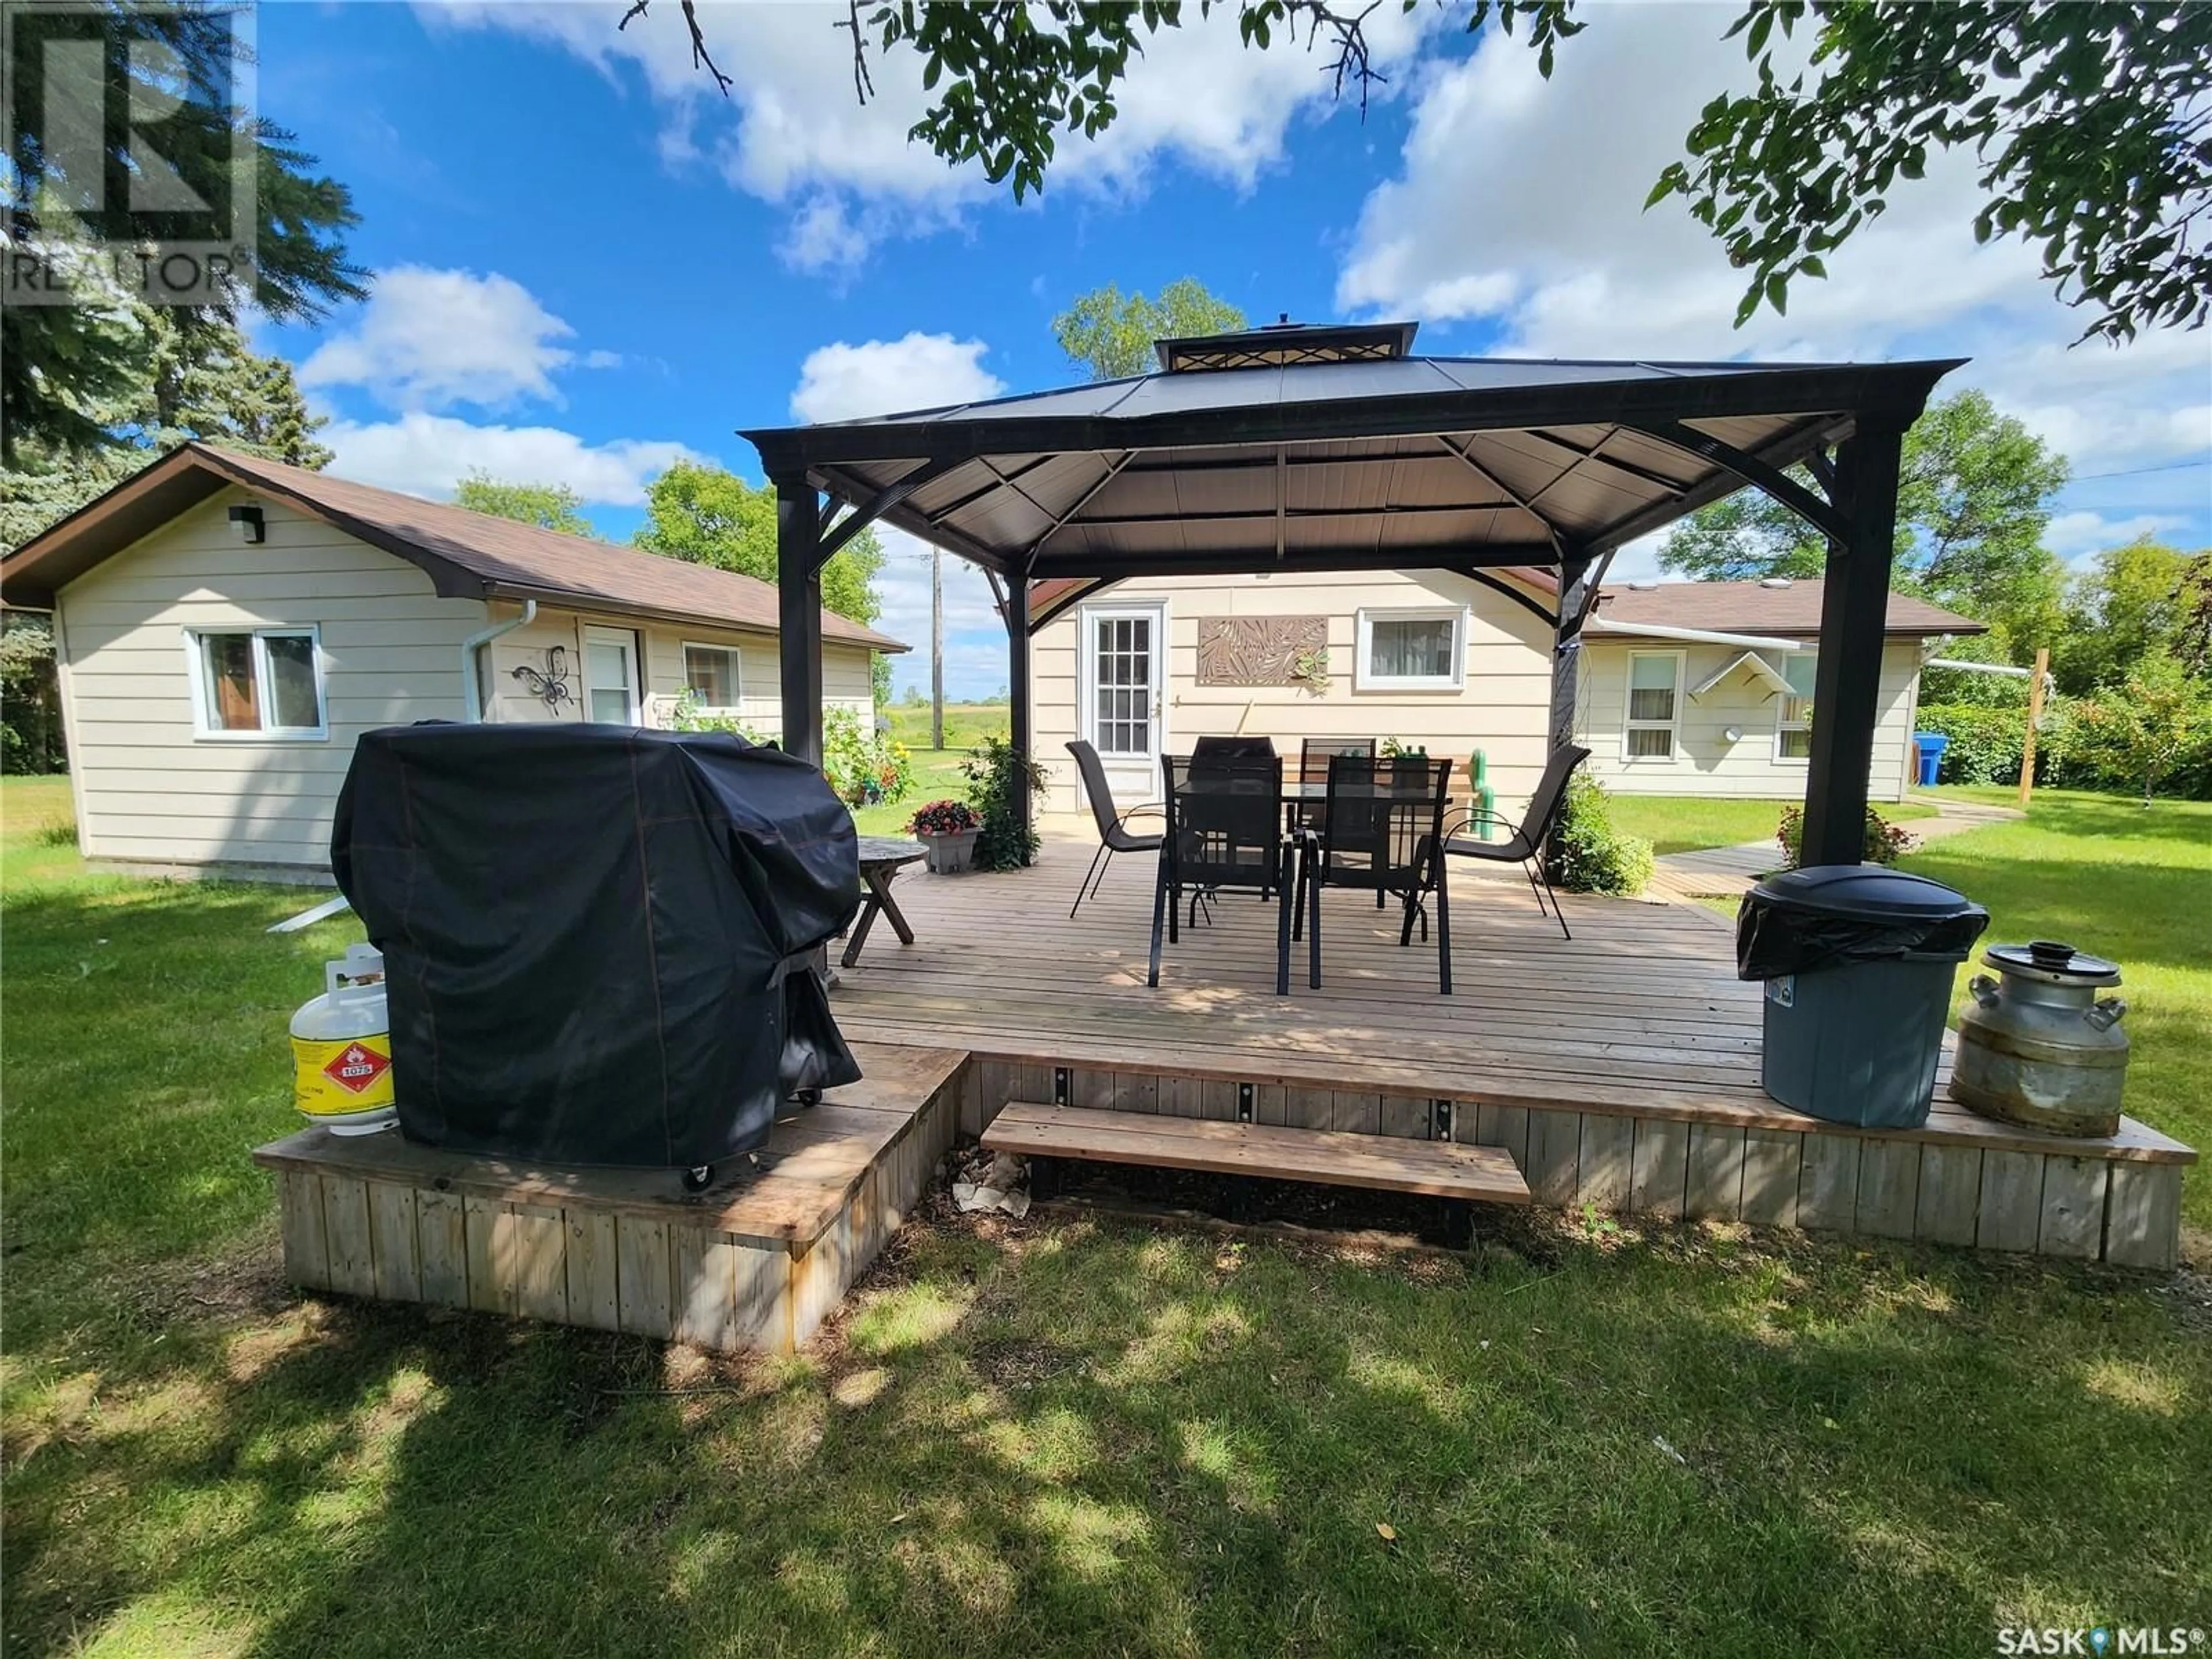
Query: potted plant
x=947 y=828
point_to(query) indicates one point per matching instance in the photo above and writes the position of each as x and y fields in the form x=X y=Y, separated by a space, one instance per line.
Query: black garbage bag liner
x=1801 y=921
x=598 y=940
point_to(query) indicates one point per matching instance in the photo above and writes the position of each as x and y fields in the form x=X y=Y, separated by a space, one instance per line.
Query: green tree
x=201 y=380
x=2087 y=123
x=549 y=506
x=1974 y=495
x=2134 y=601
x=64 y=369
x=1111 y=334
x=710 y=516
x=2155 y=721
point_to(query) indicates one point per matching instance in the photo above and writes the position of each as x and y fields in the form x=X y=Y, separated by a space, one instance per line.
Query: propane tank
x=342 y=1048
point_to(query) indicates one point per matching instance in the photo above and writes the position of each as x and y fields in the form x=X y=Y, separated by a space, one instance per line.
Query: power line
x=2133 y=471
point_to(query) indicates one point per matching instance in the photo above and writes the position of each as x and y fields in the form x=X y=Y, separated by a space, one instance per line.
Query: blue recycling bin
x=1931 y=746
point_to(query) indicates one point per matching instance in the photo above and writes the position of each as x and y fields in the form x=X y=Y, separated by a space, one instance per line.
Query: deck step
x=1387 y=1164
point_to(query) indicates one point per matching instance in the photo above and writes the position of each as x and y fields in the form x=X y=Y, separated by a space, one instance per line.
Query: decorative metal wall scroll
x=1260 y=650
x=550 y=687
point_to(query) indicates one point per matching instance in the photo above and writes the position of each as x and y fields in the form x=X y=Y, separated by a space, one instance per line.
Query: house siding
x=847 y=681
x=1705 y=762
x=1501 y=707
x=150 y=790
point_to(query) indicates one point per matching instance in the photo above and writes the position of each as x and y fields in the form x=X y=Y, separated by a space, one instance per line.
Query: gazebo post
x=799 y=613
x=1567 y=646
x=1017 y=690
x=1854 y=621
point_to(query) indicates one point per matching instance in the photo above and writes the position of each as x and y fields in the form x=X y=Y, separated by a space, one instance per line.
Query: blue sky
x=589 y=263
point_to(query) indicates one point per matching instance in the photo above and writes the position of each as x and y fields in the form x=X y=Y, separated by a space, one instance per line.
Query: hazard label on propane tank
x=356 y=1069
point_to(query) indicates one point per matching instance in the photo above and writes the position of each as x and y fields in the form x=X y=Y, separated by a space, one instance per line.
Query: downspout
x=470 y=713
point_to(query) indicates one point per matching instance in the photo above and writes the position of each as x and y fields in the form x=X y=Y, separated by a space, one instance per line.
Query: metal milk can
x=2038 y=1047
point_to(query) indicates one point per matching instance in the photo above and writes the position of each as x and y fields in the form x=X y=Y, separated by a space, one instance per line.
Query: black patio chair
x=1525 y=845
x=1114 y=835
x=1381 y=834
x=1224 y=830
x=1314 y=755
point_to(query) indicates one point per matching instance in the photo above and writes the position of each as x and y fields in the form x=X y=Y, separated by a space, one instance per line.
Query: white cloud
x=1516 y=206
x=428 y=455
x=429 y=339
x=840 y=381
x=2079 y=536
x=849 y=172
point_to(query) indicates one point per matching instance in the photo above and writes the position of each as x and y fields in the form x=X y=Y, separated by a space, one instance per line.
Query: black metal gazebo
x=1332 y=447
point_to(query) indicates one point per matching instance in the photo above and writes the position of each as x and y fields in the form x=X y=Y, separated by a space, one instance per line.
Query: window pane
x=610 y=706
x=1799 y=669
x=1419 y=648
x=1797 y=744
x=1647 y=742
x=1651 y=705
x=711 y=674
x=292 y=681
x=1649 y=671
x=233 y=697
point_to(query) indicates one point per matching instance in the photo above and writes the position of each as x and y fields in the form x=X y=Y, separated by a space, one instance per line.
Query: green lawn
x=2109 y=877
x=1689 y=825
x=1065 y=1438
x=937 y=776
x=966 y=724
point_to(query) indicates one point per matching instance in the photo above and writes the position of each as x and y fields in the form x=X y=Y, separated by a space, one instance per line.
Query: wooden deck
x=1619 y=1069
x=754 y=1262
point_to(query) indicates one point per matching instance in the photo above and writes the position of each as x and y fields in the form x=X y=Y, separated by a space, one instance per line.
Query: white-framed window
x=1416 y=649
x=256 y=684
x=712 y=674
x=610 y=678
x=1655 y=705
x=1793 y=718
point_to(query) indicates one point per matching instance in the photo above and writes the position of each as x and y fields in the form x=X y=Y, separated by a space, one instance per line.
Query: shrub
x=863 y=766
x=944 y=818
x=1985 y=740
x=2153 y=727
x=1885 y=842
x=996 y=775
x=1588 y=854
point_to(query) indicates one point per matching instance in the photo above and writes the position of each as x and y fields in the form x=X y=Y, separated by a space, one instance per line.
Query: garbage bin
x=1858 y=961
x=1930 y=745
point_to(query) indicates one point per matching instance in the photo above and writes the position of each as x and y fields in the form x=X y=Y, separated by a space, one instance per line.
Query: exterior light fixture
x=251 y=529
x=1733 y=733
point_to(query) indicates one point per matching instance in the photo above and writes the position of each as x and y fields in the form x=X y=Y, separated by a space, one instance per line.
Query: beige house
x=225 y=627
x=1685 y=688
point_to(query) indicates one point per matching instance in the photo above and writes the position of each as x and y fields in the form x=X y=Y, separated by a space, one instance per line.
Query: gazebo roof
x=1334 y=449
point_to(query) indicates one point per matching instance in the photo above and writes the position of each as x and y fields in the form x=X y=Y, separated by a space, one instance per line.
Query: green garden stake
x=1485 y=797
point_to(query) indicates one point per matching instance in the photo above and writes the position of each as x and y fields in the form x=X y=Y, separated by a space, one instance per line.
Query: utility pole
x=936 y=648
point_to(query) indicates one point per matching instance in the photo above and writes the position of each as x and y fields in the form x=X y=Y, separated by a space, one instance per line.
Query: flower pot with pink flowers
x=947 y=830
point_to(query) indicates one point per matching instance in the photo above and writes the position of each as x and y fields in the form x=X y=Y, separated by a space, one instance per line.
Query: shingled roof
x=466 y=554
x=1753 y=607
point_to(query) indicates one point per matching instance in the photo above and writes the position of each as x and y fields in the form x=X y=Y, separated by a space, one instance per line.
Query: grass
x=966 y=724
x=1689 y=825
x=1056 y=1438
x=2110 y=878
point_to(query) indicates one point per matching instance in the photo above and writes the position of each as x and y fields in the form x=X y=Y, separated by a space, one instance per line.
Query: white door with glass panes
x=1123 y=676
x=611 y=678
